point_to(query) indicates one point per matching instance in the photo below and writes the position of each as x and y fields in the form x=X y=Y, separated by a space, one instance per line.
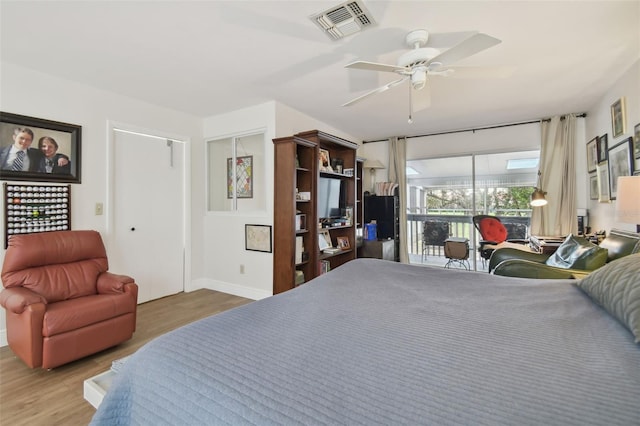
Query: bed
x=377 y=342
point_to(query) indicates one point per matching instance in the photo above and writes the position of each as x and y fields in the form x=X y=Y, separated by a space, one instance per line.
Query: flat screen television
x=331 y=198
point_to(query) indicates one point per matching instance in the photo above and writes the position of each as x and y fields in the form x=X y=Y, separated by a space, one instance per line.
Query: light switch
x=99 y=209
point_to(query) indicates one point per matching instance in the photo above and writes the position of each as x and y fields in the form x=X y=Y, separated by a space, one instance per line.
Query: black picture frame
x=68 y=138
x=592 y=155
x=602 y=148
x=620 y=163
x=258 y=238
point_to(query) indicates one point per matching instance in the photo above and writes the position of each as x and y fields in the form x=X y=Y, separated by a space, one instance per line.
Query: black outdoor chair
x=434 y=234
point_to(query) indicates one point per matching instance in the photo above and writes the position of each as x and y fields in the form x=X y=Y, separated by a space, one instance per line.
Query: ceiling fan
x=420 y=62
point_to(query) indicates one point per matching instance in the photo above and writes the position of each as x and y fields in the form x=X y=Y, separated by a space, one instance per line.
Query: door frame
x=186 y=193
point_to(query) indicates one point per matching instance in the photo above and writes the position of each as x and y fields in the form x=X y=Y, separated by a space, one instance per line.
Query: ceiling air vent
x=343 y=20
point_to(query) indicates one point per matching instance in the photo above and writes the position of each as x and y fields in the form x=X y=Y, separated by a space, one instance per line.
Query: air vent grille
x=343 y=20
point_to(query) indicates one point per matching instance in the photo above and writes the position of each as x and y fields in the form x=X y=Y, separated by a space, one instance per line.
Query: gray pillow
x=578 y=253
x=616 y=287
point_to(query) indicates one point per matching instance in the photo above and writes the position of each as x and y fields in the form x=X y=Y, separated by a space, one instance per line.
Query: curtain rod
x=497 y=126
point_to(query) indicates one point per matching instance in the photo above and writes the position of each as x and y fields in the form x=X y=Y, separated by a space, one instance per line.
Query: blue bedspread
x=376 y=342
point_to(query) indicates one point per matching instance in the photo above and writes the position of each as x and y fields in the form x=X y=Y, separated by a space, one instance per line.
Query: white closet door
x=148 y=214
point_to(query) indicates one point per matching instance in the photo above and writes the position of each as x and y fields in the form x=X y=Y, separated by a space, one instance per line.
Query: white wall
x=39 y=95
x=602 y=215
x=221 y=234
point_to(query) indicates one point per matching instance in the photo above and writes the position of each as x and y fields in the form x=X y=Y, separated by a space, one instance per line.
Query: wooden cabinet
x=297 y=175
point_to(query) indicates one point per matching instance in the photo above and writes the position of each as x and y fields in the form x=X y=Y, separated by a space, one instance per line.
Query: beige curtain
x=398 y=174
x=558 y=179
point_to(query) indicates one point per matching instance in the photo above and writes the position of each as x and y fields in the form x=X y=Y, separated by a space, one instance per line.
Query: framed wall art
x=30 y=208
x=243 y=178
x=636 y=141
x=593 y=187
x=602 y=148
x=620 y=163
x=39 y=150
x=592 y=155
x=618 y=117
x=257 y=238
x=603 y=182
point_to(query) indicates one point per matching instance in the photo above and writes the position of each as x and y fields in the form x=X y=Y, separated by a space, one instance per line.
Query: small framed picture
x=593 y=187
x=39 y=150
x=602 y=148
x=592 y=155
x=618 y=117
x=257 y=238
x=343 y=243
x=325 y=161
x=603 y=182
x=324 y=239
x=636 y=141
x=620 y=163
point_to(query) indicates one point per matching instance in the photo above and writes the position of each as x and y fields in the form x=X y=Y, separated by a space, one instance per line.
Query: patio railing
x=460 y=225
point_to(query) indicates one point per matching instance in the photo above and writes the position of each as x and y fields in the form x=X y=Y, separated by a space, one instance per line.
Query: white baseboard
x=236 y=290
x=3 y=338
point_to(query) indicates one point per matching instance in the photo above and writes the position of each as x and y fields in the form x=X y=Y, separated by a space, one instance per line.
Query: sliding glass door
x=445 y=193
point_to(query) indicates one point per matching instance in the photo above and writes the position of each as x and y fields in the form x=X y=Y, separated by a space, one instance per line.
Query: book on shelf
x=299 y=249
x=332 y=250
x=324 y=266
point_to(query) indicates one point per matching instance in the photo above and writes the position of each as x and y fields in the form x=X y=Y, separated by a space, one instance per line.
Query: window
x=236 y=173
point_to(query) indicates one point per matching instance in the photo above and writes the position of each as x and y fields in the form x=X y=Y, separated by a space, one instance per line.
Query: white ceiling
x=211 y=57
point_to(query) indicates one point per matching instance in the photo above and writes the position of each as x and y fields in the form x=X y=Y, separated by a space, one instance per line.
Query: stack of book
x=324 y=266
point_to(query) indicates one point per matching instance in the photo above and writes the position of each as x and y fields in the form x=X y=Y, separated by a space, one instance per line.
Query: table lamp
x=628 y=200
x=372 y=166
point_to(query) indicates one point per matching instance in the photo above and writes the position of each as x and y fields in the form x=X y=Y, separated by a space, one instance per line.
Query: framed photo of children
x=39 y=150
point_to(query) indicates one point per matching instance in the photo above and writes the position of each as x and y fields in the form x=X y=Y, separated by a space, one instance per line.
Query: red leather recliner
x=61 y=302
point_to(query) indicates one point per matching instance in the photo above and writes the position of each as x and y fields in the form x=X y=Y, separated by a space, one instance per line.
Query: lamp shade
x=538 y=199
x=373 y=164
x=628 y=199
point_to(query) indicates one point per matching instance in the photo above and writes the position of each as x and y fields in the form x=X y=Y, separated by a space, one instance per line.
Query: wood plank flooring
x=39 y=397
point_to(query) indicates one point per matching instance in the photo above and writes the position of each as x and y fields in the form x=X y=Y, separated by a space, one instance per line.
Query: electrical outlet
x=242 y=269
x=99 y=209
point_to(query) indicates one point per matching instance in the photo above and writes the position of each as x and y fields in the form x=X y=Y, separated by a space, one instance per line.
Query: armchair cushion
x=616 y=287
x=492 y=230
x=76 y=313
x=578 y=253
x=68 y=268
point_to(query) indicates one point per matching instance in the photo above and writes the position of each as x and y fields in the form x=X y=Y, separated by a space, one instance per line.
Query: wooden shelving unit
x=297 y=171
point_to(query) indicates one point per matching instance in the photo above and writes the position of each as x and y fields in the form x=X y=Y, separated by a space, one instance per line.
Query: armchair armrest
x=530 y=269
x=506 y=253
x=25 y=315
x=16 y=299
x=109 y=283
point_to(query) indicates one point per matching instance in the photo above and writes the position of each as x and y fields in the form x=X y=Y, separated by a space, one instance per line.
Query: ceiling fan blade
x=470 y=46
x=373 y=66
x=374 y=91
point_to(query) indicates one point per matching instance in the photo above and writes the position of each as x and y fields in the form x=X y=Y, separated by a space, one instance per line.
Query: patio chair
x=434 y=234
x=493 y=231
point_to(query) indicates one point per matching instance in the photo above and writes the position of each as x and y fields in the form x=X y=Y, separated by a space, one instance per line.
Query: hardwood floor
x=39 y=397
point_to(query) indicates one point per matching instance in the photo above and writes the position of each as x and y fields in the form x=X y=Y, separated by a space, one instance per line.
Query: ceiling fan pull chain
x=410 y=105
